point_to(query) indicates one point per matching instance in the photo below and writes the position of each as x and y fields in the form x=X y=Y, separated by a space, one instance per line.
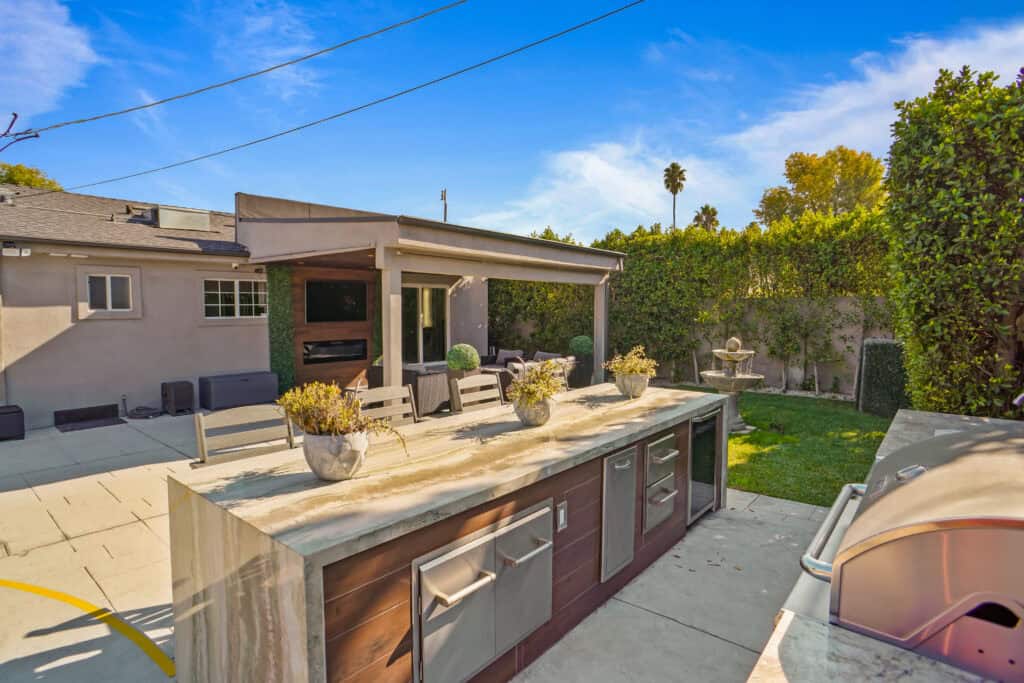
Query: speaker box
x=177 y=397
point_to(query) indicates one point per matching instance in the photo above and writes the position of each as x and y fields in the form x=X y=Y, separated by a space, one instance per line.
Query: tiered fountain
x=732 y=378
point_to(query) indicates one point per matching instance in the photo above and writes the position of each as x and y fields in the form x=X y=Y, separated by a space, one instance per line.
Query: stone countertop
x=453 y=464
x=805 y=647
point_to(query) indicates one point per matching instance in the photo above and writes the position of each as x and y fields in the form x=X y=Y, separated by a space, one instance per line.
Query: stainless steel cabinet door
x=524 y=555
x=618 y=512
x=457 y=592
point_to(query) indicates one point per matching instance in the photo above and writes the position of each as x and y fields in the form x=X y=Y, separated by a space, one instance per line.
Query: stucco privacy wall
x=54 y=359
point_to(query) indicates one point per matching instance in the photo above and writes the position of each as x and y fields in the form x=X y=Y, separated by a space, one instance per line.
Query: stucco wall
x=469 y=313
x=55 y=359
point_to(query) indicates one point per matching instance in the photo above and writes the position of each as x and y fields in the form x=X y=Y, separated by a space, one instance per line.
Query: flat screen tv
x=335 y=301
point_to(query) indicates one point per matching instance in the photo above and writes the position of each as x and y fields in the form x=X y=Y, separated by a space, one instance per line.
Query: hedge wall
x=956 y=183
x=280 y=325
x=881 y=387
x=776 y=289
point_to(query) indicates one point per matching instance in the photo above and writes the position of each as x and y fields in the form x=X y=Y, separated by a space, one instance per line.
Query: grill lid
x=967 y=475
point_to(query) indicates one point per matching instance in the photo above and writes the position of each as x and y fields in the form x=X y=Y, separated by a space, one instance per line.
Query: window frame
x=419 y=318
x=107 y=277
x=237 y=316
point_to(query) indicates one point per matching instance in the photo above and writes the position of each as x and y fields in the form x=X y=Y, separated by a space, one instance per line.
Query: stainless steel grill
x=933 y=559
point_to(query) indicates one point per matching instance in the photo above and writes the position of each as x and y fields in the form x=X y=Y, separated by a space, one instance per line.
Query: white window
x=234 y=298
x=110 y=293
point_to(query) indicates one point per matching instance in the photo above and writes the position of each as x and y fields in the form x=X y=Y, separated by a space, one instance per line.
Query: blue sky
x=572 y=134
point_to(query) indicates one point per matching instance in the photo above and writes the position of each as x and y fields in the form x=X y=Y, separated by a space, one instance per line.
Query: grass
x=804 y=449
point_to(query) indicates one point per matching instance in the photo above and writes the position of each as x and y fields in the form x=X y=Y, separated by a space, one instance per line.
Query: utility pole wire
x=254 y=74
x=353 y=110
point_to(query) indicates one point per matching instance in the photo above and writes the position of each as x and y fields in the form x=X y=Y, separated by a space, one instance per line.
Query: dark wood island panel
x=368 y=611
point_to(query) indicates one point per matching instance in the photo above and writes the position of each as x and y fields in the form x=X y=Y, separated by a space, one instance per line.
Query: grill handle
x=810 y=561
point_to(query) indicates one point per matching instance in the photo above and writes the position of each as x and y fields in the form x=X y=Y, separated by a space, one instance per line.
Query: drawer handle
x=668 y=457
x=457 y=597
x=519 y=561
x=664 y=497
x=624 y=465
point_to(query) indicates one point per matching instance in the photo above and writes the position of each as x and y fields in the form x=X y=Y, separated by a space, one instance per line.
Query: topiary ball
x=463 y=357
x=581 y=345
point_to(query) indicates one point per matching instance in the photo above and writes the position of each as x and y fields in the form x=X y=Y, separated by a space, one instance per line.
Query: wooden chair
x=475 y=392
x=241 y=432
x=395 y=404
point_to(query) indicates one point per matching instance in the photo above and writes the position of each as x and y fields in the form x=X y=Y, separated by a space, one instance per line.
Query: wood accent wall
x=368 y=612
x=344 y=373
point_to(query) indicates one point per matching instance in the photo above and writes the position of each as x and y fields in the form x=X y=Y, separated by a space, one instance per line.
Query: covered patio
x=347 y=285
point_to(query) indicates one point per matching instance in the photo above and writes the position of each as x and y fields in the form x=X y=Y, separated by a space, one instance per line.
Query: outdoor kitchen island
x=470 y=556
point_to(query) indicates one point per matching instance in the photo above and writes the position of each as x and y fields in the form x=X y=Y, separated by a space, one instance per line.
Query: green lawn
x=804 y=449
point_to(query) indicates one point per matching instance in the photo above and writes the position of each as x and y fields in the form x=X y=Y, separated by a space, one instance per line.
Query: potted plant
x=582 y=348
x=632 y=371
x=532 y=390
x=463 y=361
x=335 y=428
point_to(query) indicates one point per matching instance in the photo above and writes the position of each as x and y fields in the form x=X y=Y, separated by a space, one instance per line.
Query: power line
x=254 y=74
x=372 y=103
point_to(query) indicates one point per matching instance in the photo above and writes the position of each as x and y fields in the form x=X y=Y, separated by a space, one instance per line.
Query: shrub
x=539 y=382
x=957 y=237
x=581 y=345
x=324 y=409
x=463 y=357
x=881 y=388
x=635 y=362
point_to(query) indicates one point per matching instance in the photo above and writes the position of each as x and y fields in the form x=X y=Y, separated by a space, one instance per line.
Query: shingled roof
x=88 y=220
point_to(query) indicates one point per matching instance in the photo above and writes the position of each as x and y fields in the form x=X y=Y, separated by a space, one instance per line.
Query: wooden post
x=600 y=328
x=391 y=327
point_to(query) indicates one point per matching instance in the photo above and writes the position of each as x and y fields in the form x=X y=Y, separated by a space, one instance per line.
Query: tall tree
x=675 y=177
x=26 y=176
x=706 y=217
x=835 y=182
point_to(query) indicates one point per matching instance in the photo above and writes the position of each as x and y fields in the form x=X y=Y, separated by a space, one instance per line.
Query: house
x=103 y=299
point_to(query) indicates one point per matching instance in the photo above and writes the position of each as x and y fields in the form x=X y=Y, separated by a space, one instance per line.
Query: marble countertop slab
x=802 y=649
x=453 y=464
x=911 y=426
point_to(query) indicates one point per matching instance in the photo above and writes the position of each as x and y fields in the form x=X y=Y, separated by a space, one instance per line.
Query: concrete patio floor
x=85 y=514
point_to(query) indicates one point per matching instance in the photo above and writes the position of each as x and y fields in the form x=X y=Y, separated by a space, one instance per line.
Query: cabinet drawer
x=659 y=502
x=662 y=455
x=525 y=551
x=457 y=598
x=618 y=512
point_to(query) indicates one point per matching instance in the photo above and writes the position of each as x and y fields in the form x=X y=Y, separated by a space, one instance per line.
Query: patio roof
x=282 y=230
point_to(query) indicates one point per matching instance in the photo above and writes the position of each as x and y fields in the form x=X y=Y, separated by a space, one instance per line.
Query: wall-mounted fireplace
x=333 y=351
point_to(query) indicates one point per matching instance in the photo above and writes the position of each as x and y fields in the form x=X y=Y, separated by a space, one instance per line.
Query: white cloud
x=256 y=34
x=618 y=184
x=43 y=53
x=588 y=191
x=858 y=112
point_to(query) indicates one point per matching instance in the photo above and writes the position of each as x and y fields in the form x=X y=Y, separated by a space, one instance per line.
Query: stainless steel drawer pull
x=456 y=597
x=664 y=497
x=519 y=561
x=624 y=465
x=668 y=457
x=707 y=416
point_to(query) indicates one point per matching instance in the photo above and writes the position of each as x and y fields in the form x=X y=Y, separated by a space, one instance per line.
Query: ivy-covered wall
x=793 y=292
x=280 y=325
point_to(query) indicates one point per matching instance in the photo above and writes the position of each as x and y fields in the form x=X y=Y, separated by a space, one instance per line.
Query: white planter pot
x=632 y=386
x=335 y=458
x=535 y=415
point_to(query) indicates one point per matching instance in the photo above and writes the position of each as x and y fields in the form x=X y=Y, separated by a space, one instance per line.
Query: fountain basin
x=723 y=381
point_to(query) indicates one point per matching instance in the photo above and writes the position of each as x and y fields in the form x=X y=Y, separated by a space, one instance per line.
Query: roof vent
x=6 y=199
x=178 y=218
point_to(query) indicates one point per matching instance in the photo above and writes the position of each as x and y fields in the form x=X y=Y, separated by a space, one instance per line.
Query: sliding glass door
x=424 y=324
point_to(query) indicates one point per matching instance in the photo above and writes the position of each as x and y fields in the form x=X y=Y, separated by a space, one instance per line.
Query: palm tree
x=675 y=176
x=706 y=217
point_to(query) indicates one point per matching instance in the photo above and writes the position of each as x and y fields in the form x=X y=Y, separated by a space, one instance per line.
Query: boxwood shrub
x=883 y=379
